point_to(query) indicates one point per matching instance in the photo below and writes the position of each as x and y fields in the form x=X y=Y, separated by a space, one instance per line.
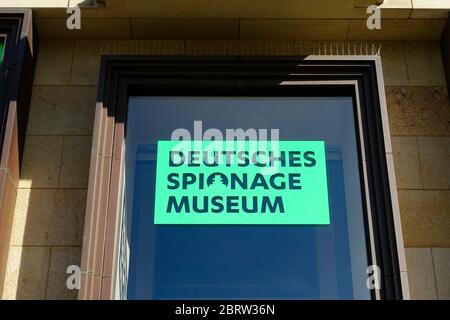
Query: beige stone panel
x=424 y=62
x=429 y=13
x=393 y=59
x=441 y=260
x=405 y=4
x=54 y=62
x=82 y=3
x=175 y=29
x=393 y=13
x=60 y=259
x=50 y=28
x=301 y=9
x=26 y=273
x=33 y=3
x=421 y=276
x=425 y=216
x=418 y=111
x=86 y=62
x=62 y=110
x=41 y=162
x=240 y=48
x=392 y=9
x=76 y=157
x=49 y=12
x=389 y=8
x=50 y=217
x=435 y=161
x=430 y=9
x=406 y=162
x=87 y=56
x=288 y=29
x=231 y=9
x=397 y=29
x=431 y=4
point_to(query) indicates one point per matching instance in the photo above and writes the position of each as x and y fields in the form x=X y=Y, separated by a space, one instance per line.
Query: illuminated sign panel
x=245 y=182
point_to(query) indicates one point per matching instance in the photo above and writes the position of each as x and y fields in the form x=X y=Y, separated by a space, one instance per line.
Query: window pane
x=246 y=261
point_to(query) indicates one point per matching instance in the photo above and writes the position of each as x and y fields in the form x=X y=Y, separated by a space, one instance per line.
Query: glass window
x=246 y=261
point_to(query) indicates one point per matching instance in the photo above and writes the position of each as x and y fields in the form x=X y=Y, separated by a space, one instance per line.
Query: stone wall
x=49 y=215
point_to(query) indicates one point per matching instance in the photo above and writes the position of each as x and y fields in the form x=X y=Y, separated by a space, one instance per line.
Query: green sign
x=241 y=182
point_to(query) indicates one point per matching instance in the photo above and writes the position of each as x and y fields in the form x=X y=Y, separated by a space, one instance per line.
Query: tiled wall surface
x=49 y=215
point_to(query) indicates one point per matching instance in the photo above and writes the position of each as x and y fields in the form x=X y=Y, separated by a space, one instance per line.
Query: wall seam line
x=434 y=274
x=48 y=273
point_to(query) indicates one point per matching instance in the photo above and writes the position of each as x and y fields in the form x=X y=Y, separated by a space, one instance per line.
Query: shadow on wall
x=49 y=215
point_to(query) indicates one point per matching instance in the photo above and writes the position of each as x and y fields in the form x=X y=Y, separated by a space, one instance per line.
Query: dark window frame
x=17 y=74
x=124 y=76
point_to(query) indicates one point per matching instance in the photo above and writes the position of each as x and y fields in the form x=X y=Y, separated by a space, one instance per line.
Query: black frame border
x=124 y=76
